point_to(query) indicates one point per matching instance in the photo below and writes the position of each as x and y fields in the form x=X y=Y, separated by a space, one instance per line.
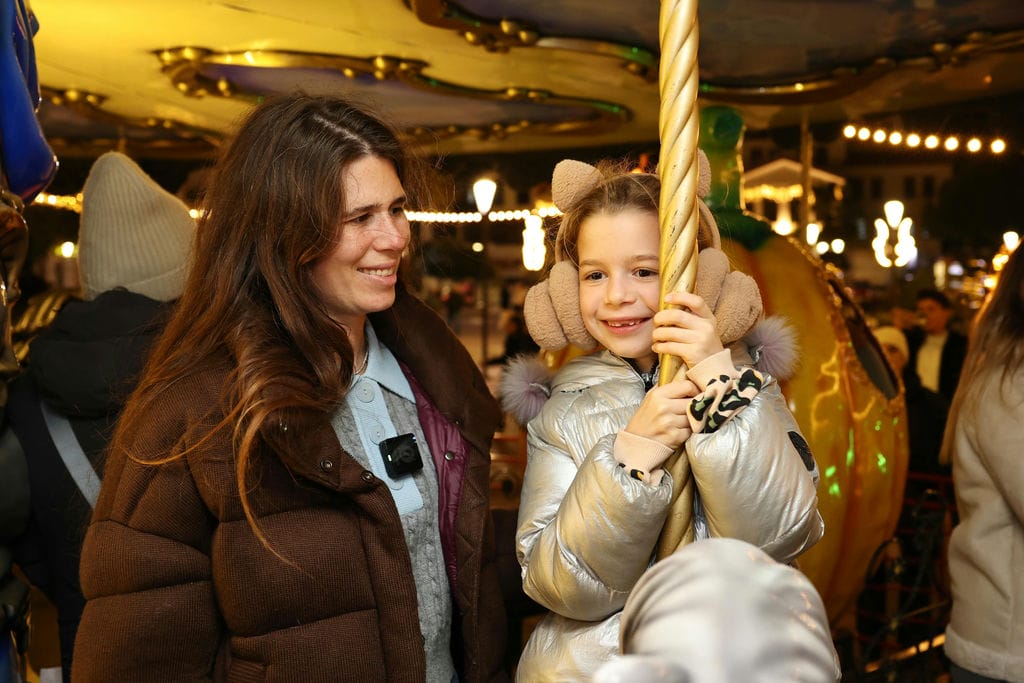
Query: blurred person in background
x=985 y=635
x=919 y=531
x=926 y=409
x=134 y=241
x=936 y=350
x=14 y=486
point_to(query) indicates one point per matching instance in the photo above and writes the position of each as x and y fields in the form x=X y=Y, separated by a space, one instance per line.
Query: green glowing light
x=833 y=490
x=830 y=471
x=878 y=425
x=849 y=450
x=882 y=463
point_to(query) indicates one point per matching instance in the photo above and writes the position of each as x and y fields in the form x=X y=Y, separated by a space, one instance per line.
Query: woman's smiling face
x=619 y=284
x=359 y=275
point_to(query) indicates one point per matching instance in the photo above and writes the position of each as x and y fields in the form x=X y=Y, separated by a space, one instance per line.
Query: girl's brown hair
x=619 y=190
x=273 y=208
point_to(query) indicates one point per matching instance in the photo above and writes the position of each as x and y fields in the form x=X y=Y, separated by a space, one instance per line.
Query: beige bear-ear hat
x=552 y=307
x=733 y=296
x=571 y=181
x=541 y=319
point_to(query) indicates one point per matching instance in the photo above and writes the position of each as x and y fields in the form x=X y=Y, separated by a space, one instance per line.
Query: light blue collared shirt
x=365 y=401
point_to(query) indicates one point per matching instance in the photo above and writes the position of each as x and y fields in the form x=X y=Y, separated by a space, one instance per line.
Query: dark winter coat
x=926 y=423
x=181 y=589
x=83 y=366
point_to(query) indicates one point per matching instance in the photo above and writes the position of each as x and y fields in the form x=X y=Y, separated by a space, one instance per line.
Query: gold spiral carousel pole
x=678 y=127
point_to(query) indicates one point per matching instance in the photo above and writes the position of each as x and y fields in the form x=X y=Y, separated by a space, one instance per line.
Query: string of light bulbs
x=74 y=203
x=930 y=141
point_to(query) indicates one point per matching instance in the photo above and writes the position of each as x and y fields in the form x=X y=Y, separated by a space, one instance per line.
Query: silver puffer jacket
x=587 y=530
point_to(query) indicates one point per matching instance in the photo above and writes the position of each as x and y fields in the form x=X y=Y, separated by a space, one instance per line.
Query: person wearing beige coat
x=985 y=635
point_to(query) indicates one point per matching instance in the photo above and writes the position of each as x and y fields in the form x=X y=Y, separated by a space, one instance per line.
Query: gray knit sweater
x=384 y=379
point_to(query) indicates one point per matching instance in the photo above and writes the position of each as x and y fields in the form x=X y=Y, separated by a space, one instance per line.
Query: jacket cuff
x=712 y=367
x=639 y=453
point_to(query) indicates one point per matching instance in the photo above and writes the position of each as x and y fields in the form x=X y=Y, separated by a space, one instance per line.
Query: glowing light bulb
x=849 y=131
x=879 y=136
x=895 y=137
x=931 y=142
x=906 y=247
x=998 y=146
x=879 y=242
x=951 y=143
x=974 y=145
x=893 y=210
x=534 y=250
x=483 y=194
x=913 y=140
x=1011 y=239
x=813 y=232
x=783 y=224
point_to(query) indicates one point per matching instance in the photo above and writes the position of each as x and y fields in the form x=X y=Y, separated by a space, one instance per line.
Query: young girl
x=595 y=495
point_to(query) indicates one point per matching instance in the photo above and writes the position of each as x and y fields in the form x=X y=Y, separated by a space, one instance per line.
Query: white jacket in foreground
x=587 y=530
x=985 y=634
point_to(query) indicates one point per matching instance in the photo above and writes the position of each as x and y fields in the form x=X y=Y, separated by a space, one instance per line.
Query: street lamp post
x=483 y=195
x=893 y=244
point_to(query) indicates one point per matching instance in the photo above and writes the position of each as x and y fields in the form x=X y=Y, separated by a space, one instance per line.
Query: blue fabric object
x=7 y=671
x=28 y=161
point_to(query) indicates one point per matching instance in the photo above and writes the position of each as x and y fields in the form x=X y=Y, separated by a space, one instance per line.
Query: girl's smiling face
x=619 y=284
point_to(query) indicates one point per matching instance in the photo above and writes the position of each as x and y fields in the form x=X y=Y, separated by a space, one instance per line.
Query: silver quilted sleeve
x=756 y=478
x=587 y=530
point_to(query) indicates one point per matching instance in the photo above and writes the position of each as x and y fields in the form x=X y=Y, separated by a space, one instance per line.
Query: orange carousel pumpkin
x=844 y=395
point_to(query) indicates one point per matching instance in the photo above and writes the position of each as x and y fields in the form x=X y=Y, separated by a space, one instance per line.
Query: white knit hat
x=133 y=234
x=891 y=336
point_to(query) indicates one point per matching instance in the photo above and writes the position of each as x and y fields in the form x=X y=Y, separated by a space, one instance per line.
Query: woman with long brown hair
x=985 y=635
x=297 y=489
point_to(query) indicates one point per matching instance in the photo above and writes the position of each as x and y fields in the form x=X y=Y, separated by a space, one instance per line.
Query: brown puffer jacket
x=180 y=589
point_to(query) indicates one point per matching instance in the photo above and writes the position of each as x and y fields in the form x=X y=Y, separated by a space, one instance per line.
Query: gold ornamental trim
x=499 y=35
x=185 y=67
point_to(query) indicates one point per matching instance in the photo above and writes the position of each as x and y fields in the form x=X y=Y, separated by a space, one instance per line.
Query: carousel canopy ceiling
x=476 y=76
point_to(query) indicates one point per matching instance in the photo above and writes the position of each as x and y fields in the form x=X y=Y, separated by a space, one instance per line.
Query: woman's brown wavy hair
x=273 y=207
